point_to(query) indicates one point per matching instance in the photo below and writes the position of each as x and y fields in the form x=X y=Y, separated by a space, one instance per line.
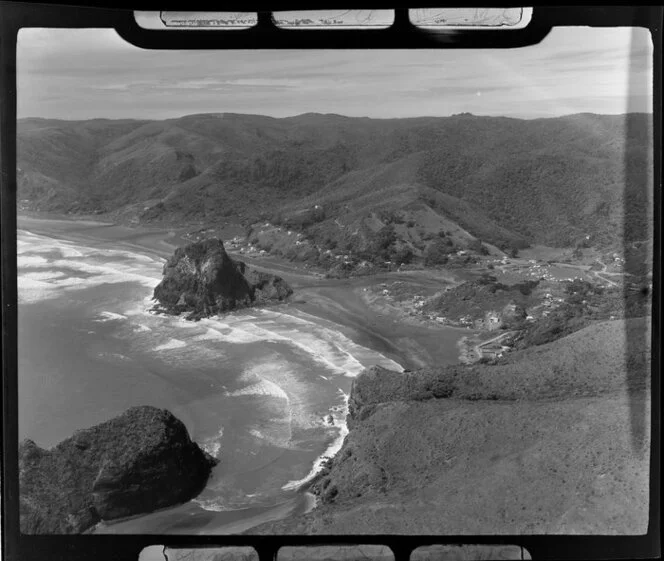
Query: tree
x=329 y=243
x=437 y=253
x=478 y=247
x=403 y=255
x=383 y=242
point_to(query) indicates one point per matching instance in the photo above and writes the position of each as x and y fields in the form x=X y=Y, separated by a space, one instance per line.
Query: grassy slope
x=542 y=443
x=547 y=181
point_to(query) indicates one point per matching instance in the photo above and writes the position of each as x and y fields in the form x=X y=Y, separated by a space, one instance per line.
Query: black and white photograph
x=335 y=292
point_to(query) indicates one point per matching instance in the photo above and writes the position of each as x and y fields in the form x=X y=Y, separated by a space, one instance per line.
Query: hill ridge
x=546 y=181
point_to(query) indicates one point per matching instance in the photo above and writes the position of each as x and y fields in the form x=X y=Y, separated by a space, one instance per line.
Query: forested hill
x=508 y=181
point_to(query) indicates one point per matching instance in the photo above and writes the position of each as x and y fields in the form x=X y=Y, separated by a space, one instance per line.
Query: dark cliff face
x=202 y=279
x=135 y=463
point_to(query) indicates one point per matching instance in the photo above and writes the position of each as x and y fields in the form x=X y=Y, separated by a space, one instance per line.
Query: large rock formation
x=202 y=279
x=137 y=462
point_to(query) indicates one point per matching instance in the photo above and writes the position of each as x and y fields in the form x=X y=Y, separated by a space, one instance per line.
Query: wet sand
x=183 y=520
x=337 y=300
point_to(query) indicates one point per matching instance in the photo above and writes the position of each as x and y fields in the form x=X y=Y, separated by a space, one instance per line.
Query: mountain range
x=509 y=182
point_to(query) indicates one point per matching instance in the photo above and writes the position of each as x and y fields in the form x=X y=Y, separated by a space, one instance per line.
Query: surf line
x=329 y=453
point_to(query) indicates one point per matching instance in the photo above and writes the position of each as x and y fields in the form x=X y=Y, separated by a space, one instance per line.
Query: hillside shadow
x=637 y=232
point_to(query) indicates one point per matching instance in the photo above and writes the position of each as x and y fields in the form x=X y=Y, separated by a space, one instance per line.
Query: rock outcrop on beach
x=135 y=463
x=203 y=280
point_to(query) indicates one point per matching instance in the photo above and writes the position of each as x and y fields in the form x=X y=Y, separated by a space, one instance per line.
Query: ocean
x=263 y=390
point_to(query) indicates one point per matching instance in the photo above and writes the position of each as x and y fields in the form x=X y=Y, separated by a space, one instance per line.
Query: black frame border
x=265 y=35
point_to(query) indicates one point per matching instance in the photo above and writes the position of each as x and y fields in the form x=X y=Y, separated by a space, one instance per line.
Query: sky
x=91 y=73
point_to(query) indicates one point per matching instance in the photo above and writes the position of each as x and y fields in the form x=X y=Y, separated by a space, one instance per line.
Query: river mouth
x=263 y=390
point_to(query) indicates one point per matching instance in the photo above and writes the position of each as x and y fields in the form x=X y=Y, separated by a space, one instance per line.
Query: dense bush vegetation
x=478 y=247
x=438 y=251
x=506 y=181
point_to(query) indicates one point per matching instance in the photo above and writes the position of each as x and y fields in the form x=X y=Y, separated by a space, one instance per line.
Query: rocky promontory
x=135 y=463
x=544 y=441
x=203 y=280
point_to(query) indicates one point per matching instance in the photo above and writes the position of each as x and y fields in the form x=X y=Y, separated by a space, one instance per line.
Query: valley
x=504 y=264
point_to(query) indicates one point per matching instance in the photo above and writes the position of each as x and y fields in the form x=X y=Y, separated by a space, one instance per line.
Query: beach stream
x=263 y=390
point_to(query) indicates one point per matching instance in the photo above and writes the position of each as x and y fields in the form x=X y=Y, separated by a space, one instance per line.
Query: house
x=492 y=320
x=491 y=352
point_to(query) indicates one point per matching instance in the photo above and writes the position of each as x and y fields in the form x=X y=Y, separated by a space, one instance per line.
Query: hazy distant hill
x=506 y=181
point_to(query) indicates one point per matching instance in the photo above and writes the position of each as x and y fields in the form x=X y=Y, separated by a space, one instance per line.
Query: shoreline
x=335 y=301
x=339 y=301
x=296 y=502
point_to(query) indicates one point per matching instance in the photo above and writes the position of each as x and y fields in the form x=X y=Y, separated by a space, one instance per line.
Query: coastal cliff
x=135 y=463
x=544 y=441
x=203 y=280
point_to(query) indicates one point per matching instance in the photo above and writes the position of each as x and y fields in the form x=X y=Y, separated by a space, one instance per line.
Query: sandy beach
x=339 y=301
x=303 y=354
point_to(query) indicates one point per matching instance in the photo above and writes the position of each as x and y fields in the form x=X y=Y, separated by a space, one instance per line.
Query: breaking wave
x=332 y=449
x=171 y=344
x=311 y=350
x=212 y=445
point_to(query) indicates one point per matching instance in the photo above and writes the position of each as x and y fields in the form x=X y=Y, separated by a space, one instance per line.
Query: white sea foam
x=66 y=250
x=209 y=335
x=30 y=261
x=223 y=331
x=212 y=445
x=257 y=434
x=316 y=338
x=262 y=387
x=42 y=275
x=327 y=346
x=143 y=308
x=81 y=259
x=276 y=432
x=114 y=357
x=32 y=290
x=331 y=450
x=171 y=344
x=213 y=505
x=110 y=316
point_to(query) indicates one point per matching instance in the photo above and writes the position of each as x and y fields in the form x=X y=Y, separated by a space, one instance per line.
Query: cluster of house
x=548 y=304
x=491 y=321
x=618 y=262
x=551 y=301
x=200 y=234
x=495 y=348
x=252 y=250
x=539 y=271
x=235 y=242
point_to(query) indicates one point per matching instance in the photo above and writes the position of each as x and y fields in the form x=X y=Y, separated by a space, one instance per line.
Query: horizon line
x=229 y=113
